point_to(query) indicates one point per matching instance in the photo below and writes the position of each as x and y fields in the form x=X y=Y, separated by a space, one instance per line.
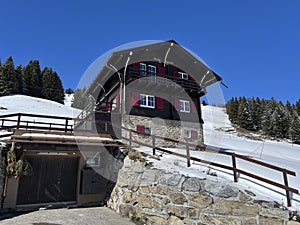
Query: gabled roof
x=166 y=52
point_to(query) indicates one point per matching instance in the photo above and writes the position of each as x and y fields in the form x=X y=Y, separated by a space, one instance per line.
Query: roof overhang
x=166 y=52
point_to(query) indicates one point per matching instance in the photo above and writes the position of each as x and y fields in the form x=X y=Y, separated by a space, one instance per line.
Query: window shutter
x=136 y=66
x=117 y=100
x=175 y=73
x=194 y=106
x=161 y=71
x=140 y=128
x=194 y=134
x=135 y=99
x=159 y=102
x=177 y=104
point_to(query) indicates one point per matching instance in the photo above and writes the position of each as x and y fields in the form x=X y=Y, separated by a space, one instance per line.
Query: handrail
x=64 y=126
x=69 y=128
x=233 y=155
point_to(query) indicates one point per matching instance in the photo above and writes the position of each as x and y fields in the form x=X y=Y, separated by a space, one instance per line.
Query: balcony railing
x=163 y=79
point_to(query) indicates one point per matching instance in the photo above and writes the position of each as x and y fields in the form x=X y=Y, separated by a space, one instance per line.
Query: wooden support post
x=286 y=183
x=19 y=120
x=153 y=145
x=130 y=138
x=188 y=156
x=234 y=168
x=2 y=122
x=66 y=125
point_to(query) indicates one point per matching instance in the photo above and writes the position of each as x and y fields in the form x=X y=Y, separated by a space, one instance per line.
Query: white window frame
x=147 y=102
x=186 y=133
x=93 y=161
x=185 y=106
x=183 y=76
x=151 y=72
x=143 y=69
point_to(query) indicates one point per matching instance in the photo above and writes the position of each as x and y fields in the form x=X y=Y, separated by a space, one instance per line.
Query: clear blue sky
x=253 y=44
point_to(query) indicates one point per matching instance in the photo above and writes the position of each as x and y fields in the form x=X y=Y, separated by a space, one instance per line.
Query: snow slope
x=27 y=104
x=218 y=132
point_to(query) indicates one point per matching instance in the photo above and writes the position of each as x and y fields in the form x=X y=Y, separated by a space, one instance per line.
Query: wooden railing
x=16 y=121
x=233 y=167
x=30 y=121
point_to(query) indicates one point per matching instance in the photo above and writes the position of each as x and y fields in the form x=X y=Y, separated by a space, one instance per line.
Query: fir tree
x=69 y=91
x=33 y=79
x=18 y=81
x=8 y=76
x=244 y=117
x=294 y=128
x=79 y=99
x=298 y=107
x=232 y=110
x=52 y=88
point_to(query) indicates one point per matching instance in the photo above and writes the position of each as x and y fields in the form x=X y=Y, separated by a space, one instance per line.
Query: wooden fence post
x=286 y=183
x=66 y=125
x=153 y=145
x=235 y=177
x=188 y=156
x=19 y=120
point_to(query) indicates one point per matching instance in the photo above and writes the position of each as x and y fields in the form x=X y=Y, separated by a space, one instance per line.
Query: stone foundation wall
x=163 y=128
x=154 y=196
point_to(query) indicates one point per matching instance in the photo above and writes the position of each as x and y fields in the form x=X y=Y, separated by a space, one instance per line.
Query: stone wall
x=154 y=196
x=163 y=128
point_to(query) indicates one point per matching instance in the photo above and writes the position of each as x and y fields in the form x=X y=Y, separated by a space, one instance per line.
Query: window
x=184 y=106
x=143 y=69
x=147 y=101
x=186 y=133
x=93 y=161
x=147 y=130
x=151 y=70
x=183 y=76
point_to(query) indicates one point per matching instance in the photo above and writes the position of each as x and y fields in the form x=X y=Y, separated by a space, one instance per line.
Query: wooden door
x=54 y=179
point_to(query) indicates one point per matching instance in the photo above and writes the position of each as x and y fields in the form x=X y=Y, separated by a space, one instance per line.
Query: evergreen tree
x=294 y=128
x=268 y=107
x=298 y=107
x=18 y=81
x=33 y=79
x=244 y=117
x=52 y=88
x=3 y=89
x=232 y=110
x=8 y=76
x=69 y=91
x=255 y=110
x=79 y=99
x=279 y=122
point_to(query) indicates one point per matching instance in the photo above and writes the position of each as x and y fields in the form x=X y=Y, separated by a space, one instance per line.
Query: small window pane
x=143 y=69
x=184 y=106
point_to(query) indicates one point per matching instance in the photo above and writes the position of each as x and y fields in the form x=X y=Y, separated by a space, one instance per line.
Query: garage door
x=54 y=179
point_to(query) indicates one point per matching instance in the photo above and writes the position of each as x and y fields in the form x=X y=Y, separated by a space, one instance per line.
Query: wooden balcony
x=157 y=79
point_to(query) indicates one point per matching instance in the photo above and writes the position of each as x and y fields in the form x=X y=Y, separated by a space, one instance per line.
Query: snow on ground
x=68 y=99
x=218 y=132
x=26 y=104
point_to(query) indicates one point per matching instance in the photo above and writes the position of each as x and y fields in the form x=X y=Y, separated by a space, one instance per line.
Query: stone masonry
x=154 y=196
x=163 y=128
